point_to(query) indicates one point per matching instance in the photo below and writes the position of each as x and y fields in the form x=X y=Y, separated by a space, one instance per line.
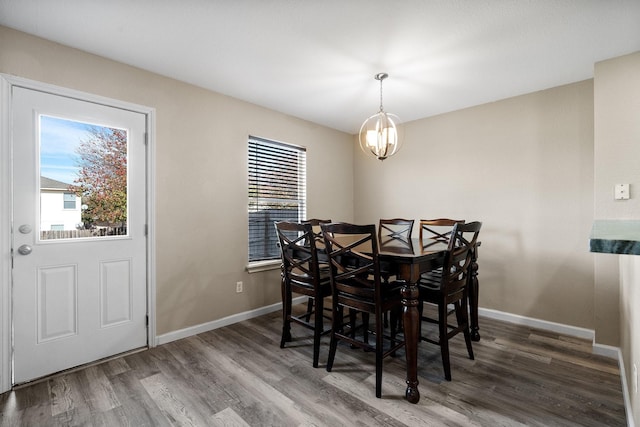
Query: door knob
x=25 y=229
x=24 y=250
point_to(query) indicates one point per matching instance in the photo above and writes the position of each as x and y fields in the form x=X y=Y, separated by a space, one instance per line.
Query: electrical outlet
x=238 y=287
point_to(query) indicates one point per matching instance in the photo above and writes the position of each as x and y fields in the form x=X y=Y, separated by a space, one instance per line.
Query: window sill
x=255 y=267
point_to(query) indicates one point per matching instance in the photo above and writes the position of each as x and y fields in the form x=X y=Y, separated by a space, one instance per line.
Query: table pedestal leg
x=411 y=322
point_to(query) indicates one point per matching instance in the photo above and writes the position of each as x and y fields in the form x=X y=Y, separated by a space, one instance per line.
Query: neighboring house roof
x=52 y=184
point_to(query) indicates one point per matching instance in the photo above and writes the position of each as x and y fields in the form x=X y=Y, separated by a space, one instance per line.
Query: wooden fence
x=74 y=234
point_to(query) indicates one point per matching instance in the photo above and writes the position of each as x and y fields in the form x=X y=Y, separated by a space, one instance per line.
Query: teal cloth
x=615 y=237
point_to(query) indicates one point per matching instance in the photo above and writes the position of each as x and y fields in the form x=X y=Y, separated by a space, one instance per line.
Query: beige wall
x=524 y=167
x=201 y=198
x=617 y=148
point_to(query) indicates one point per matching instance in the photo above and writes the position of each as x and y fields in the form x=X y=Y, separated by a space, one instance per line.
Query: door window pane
x=83 y=179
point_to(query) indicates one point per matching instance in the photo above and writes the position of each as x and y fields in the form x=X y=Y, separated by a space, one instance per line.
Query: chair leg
x=385 y=280
x=379 y=353
x=463 y=319
x=336 y=324
x=317 y=329
x=395 y=314
x=309 y=309
x=353 y=317
x=444 y=342
x=365 y=327
x=286 y=313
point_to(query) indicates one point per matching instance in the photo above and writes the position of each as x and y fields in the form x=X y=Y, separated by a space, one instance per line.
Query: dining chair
x=317 y=232
x=391 y=231
x=396 y=228
x=301 y=274
x=438 y=230
x=450 y=285
x=353 y=256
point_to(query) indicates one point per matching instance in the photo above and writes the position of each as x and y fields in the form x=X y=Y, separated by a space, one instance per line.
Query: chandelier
x=379 y=134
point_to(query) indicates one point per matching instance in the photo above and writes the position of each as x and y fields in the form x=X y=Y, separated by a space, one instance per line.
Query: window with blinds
x=277 y=192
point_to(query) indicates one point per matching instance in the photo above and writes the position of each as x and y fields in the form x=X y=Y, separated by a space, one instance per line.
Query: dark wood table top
x=412 y=248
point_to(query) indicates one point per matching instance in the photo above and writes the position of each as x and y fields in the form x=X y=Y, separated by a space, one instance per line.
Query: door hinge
x=146 y=230
x=146 y=138
x=147 y=320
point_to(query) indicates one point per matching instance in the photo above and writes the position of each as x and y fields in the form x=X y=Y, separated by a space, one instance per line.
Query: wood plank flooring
x=238 y=376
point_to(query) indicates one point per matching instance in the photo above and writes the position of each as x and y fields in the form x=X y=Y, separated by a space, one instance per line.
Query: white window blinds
x=277 y=192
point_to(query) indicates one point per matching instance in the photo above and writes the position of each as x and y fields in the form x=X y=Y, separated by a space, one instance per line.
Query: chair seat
x=431 y=281
x=323 y=291
x=392 y=290
x=323 y=276
x=429 y=291
x=387 y=268
x=390 y=294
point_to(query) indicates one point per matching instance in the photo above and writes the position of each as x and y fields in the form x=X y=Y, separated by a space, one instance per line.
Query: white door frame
x=6 y=83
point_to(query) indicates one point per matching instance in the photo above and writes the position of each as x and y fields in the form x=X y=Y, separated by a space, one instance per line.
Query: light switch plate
x=621 y=192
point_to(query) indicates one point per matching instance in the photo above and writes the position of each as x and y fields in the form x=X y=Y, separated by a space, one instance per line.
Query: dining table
x=409 y=259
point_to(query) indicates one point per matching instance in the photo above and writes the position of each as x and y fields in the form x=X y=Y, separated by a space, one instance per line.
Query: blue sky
x=58 y=141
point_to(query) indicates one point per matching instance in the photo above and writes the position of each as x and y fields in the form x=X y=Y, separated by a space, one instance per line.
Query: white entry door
x=79 y=248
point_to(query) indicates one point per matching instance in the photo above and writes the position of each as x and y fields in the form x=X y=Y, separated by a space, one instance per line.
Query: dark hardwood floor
x=238 y=376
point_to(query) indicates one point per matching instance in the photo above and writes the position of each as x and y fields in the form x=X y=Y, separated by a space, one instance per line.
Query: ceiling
x=316 y=59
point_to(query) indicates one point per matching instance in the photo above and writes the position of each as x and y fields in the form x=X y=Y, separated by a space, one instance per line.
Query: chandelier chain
x=380 y=77
x=381 y=95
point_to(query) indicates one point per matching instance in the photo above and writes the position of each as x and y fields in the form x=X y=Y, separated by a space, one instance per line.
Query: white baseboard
x=606 y=350
x=225 y=321
x=560 y=328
